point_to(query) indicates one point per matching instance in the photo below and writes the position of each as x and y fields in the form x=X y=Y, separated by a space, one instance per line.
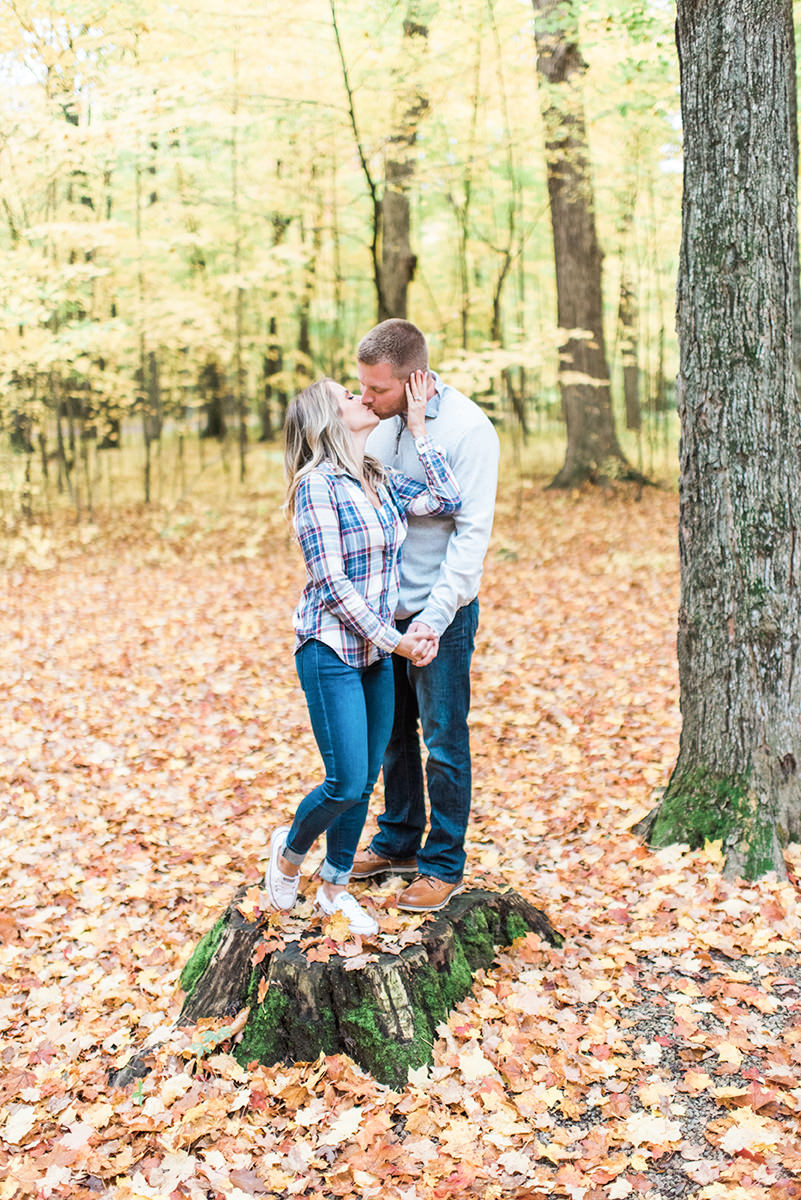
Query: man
x=441 y=564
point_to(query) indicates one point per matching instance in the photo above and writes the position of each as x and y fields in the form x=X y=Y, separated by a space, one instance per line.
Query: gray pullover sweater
x=442 y=557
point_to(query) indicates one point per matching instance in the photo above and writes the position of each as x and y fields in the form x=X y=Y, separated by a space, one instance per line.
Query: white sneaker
x=283 y=888
x=359 y=919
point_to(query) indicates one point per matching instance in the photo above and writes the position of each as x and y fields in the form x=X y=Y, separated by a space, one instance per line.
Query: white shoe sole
x=277 y=843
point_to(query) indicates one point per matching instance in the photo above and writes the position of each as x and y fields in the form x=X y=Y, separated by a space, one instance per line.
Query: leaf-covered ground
x=154 y=733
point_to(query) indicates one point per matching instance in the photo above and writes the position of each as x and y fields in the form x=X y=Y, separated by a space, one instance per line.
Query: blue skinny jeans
x=435 y=699
x=351 y=716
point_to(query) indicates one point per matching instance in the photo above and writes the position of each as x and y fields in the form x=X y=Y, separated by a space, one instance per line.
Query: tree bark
x=737 y=774
x=272 y=366
x=593 y=452
x=398 y=261
x=210 y=386
x=629 y=348
x=384 y=1014
x=792 y=100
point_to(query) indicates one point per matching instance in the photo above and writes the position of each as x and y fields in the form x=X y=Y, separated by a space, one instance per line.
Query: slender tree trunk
x=593 y=452
x=398 y=261
x=154 y=397
x=210 y=386
x=375 y=199
x=272 y=366
x=313 y=246
x=239 y=302
x=273 y=358
x=141 y=372
x=739 y=641
x=629 y=350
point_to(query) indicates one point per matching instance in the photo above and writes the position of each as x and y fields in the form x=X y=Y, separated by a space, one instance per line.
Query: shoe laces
x=349 y=905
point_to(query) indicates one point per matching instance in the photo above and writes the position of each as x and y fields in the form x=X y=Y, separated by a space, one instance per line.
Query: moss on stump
x=384 y=1015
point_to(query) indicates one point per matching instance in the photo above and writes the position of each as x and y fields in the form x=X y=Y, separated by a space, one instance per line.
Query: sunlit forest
x=590 y=208
x=205 y=206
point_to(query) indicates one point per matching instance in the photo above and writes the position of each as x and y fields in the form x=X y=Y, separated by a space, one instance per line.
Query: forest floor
x=154 y=733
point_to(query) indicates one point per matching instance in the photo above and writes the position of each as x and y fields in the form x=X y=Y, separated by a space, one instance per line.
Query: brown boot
x=427 y=894
x=368 y=863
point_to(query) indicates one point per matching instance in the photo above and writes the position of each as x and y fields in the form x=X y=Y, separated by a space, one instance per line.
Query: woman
x=350 y=516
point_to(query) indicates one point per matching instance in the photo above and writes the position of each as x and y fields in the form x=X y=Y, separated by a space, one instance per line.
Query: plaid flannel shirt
x=351 y=552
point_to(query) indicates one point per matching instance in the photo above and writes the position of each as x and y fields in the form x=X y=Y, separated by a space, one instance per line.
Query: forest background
x=195 y=224
x=189 y=233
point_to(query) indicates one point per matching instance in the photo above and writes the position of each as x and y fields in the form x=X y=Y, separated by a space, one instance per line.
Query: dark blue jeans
x=351 y=716
x=438 y=696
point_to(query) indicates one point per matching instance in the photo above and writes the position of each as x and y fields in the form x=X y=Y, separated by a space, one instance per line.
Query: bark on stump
x=384 y=1015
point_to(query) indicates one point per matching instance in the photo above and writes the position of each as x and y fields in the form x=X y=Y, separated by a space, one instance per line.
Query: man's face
x=382 y=392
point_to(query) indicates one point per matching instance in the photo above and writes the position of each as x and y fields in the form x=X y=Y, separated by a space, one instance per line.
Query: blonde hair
x=314 y=432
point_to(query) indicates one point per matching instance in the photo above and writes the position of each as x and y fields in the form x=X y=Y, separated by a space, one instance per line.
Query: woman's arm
x=440 y=493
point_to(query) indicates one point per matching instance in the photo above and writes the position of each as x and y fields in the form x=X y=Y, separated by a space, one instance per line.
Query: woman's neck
x=359 y=441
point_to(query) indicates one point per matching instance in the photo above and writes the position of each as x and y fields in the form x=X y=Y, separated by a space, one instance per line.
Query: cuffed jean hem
x=330 y=874
x=293 y=856
x=422 y=869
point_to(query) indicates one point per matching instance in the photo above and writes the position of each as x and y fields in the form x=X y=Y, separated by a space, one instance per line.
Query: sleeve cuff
x=388 y=639
x=433 y=620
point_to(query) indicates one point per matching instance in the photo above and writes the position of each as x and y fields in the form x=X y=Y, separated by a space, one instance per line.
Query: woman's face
x=355 y=416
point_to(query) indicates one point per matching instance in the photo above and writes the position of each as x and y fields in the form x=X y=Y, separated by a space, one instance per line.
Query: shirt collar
x=432 y=408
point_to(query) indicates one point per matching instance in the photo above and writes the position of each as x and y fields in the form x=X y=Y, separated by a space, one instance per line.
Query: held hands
x=416 y=400
x=419 y=644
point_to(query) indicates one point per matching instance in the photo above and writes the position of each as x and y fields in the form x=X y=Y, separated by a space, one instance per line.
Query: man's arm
x=474 y=462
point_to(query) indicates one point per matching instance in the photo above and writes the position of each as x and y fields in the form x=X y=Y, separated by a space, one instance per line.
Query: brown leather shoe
x=368 y=863
x=427 y=894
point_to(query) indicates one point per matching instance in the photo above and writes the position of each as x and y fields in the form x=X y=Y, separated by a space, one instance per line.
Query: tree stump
x=383 y=1014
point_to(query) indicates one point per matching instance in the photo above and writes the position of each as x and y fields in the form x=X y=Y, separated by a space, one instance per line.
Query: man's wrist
x=432 y=622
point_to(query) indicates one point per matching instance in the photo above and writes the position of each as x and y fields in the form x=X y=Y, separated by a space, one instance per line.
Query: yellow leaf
x=173 y=1087
x=473 y=1064
x=342 y=1128
x=647 y=1129
x=727 y=1052
x=19 y=1124
x=750 y=1131
x=337 y=927
x=713 y=853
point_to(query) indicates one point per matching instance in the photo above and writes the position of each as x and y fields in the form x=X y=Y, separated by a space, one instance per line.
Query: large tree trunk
x=593 y=452
x=793 y=103
x=737 y=774
x=398 y=262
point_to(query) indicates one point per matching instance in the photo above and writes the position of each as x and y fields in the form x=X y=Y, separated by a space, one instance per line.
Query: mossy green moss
x=387 y=1059
x=262 y=1039
x=760 y=857
x=202 y=956
x=478 y=939
x=701 y=807
x=516 y=927
x=435 y=992
x=455 y=983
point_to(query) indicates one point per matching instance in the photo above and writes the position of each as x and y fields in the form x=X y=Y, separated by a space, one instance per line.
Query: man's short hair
x=397 y=342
